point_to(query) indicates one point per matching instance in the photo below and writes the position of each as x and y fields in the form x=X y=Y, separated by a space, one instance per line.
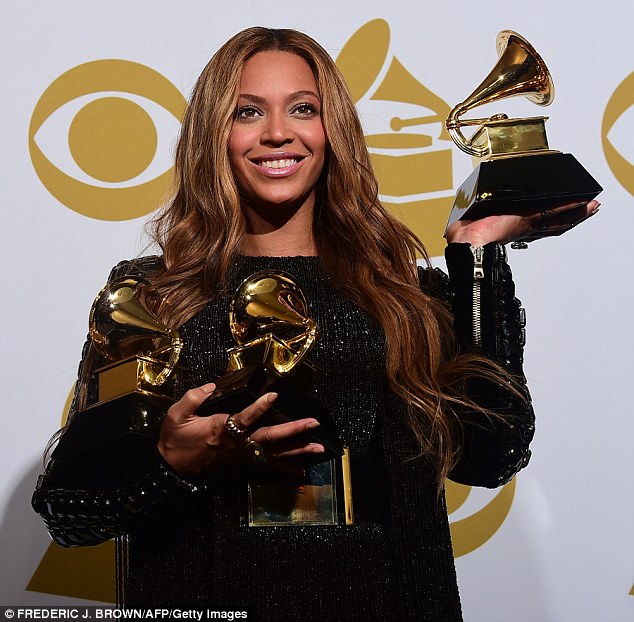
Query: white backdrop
x=565 y=551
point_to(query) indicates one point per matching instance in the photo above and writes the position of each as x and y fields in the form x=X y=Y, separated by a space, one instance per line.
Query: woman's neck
x=286 y=238
x=269 y=245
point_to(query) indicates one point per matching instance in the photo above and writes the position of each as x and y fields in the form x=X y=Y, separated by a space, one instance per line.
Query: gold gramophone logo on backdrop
x=621 y=101
x=413 y=157
x=94 y=139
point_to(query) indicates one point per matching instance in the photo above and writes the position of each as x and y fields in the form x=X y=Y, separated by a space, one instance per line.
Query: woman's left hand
x=506 y=228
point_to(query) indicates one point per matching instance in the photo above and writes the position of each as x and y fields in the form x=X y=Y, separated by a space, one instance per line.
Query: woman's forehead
x=276 y=71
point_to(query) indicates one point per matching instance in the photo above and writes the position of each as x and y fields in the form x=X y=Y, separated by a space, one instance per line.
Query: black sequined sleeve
x=488 y=319
x=88 y=497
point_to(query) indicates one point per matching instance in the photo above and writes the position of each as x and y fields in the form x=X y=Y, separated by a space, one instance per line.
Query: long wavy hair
x=369 y=255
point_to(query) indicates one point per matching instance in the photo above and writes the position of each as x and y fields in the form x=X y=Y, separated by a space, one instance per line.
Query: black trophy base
x=237 y=390
x=508 y=185
x=120 y=424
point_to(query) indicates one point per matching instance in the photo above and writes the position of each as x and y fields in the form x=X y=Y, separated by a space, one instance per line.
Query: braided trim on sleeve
x=87 y=517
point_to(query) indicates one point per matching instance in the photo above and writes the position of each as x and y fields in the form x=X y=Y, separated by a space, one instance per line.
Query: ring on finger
x=233 y=428
x=257 y=449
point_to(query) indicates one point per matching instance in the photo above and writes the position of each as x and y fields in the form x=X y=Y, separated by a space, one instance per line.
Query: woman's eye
x=247 y=112
x=306 y=109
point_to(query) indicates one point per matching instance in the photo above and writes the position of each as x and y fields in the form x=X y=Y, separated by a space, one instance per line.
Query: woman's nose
x=277 y=131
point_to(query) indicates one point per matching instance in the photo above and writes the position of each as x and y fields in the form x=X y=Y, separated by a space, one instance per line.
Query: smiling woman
x=277 y=150
x=421 y=373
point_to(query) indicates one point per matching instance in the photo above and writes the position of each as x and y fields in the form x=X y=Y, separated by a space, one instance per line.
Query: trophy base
x=315 y=500
x=342 y=491
x=237 y=390
x=507 y=185
x=127 y=420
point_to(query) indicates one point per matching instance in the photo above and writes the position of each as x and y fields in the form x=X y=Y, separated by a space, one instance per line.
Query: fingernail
x=318 y=450
x=313 y=424
x=271 y=397
x=209 y=388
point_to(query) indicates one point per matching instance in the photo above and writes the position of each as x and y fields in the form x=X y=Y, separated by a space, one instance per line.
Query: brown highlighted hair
x=369 y=254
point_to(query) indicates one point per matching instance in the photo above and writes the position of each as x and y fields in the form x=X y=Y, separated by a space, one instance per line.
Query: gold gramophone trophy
x=135 y=387
x=269 y=321
x=517 y=168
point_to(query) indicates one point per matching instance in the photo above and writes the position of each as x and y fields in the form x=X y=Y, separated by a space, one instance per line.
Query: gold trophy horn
x=135 y=387
x=520 y=70
x=270 y=306
x=120 y=327
x=517 y=170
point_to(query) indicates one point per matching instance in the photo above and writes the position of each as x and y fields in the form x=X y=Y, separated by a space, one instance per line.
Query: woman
x=272 y=173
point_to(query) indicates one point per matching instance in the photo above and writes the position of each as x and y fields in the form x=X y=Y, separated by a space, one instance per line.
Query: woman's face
x=277 y=145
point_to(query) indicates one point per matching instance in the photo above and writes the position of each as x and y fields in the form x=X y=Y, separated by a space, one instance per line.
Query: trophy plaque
x=135 y=387
x=517 y=168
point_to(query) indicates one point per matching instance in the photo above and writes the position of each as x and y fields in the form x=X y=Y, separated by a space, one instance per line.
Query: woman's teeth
x=278 y=163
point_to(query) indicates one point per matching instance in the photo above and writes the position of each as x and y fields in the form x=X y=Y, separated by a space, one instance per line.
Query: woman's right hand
x=191 y=444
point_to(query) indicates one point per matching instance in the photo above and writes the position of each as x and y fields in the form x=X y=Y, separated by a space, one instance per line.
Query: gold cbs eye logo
x=622 y=99
x=112 y=139
x=414 y=168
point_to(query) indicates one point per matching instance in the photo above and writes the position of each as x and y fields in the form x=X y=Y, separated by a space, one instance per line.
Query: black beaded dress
x=182 y=542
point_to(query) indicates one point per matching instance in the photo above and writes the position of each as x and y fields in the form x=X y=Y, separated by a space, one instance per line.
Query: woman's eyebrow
x=300 y=94
x=254 y=98
x=257 y=99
